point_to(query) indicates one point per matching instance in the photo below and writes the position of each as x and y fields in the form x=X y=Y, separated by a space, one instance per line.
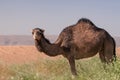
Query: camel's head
x=37 y=33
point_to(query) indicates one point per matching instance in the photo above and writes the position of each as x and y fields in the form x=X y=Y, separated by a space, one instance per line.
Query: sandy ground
x=20 y=54
x=24 y=54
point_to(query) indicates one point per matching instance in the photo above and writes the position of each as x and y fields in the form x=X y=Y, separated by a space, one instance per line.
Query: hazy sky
x=18 y=17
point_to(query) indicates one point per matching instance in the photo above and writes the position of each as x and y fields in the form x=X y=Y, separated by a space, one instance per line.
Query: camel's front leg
x=72 y=65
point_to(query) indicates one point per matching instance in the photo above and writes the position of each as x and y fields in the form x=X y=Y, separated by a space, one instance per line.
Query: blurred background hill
x=28 y=40
x=21 y=39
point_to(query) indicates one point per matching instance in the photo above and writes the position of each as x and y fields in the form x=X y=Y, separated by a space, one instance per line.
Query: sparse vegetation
x=47 y=69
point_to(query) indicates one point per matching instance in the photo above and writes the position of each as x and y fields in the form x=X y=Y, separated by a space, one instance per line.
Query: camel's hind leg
x=109 y=57
x=102 y=56
x=106 y=55
x=109 y=50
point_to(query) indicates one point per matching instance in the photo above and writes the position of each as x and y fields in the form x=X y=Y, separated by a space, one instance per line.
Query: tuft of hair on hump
x=85 y=20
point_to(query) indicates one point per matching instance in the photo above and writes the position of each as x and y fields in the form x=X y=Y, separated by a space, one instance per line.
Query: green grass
x=47 y=69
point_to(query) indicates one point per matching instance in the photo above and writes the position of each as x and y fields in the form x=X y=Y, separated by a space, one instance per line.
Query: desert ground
x=24 y=54
x=21 y=54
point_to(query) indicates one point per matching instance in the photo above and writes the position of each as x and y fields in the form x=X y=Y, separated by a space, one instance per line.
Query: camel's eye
x=32 y=32
x=38 y=33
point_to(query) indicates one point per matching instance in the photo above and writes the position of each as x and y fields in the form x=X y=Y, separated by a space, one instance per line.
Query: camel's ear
x=42 y=30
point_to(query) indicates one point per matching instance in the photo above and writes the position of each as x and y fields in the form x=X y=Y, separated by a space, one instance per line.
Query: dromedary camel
x=81 y=40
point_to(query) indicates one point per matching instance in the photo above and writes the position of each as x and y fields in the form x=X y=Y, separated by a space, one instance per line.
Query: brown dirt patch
x=20 y=54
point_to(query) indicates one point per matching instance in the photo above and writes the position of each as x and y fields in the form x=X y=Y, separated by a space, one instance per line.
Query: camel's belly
x=86 y=51
x=84 y=55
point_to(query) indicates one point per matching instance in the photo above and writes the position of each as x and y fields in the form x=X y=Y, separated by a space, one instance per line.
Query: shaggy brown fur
x=78 y=41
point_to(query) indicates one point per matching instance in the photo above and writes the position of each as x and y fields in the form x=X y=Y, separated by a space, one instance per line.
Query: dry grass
x=48 y=69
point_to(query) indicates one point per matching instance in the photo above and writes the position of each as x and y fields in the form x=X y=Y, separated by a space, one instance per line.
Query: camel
x=81 y=40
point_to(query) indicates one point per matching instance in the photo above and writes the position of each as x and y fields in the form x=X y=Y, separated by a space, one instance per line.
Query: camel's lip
x=36 y=39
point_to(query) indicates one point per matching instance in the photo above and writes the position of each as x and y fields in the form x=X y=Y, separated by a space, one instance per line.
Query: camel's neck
x=50 y=49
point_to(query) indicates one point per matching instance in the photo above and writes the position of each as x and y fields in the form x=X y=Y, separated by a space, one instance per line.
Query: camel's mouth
x=34 y=37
